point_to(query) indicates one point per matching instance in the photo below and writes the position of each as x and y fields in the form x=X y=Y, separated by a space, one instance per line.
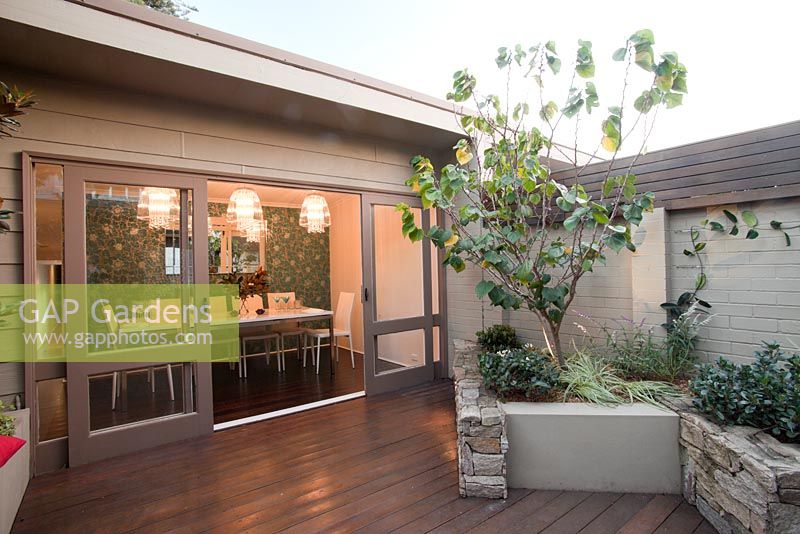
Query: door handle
x=366 y=293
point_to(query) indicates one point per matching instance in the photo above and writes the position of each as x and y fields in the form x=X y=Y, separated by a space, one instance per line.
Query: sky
x=742 y=57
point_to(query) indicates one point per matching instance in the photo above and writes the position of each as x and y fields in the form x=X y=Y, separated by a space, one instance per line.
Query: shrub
x=514 y=373
x=591 y=379
x=764 y=394
x=637 y=353
x=498 y=337
x=6 y=421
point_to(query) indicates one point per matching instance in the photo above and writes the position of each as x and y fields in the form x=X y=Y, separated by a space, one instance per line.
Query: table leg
x=331 y=345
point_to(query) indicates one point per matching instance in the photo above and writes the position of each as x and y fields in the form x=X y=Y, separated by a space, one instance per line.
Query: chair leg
x=114 y=390
x=151 y=377
x=305 y=343
x=241 y=351
x=335 y=343
x=169 y=381
x=352 y=357
x=319 y=348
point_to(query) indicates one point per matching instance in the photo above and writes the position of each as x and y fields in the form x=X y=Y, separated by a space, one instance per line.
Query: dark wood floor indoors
x=266 y=390
x=375 y=464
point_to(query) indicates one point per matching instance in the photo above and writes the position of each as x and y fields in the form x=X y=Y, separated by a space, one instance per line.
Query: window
x=172 y=252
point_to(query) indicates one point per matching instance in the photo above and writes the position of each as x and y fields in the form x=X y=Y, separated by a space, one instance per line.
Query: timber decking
x=377 y=464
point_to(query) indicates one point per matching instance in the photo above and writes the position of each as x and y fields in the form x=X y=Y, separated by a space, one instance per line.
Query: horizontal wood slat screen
x=756 y=165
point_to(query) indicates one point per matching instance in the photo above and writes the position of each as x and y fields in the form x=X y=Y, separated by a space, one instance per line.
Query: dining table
x=272 y=316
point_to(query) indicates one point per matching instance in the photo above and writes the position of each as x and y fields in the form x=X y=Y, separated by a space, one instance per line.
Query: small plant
x=6 y=421
x=764 y=394
x=498 y=337
x=591 y=379
x=679 y=356
x=516 y=373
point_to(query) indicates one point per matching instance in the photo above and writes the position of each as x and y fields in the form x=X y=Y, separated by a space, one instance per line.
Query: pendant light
x=314 y=214
x=158 y=206
x=244 y=211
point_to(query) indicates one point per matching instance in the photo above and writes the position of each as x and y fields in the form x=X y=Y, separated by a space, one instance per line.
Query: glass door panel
x=398 y=317
x=126 y=227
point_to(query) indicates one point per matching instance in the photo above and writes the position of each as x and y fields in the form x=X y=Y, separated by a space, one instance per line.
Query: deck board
x=376 y=464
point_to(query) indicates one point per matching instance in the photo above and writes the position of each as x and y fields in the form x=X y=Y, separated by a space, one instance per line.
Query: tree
x=534 y=236
x=176 y=8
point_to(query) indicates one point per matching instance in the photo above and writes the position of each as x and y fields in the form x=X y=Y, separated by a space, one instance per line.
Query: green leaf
x=562 y=203
x=571 y=222
x=643 y=37
x=554 y=63
x=749 y=218
x=586 y=265
x=734 y=230
x=788 y=239
x=687 y=252
x=776 y=225
x=644 y=58
x=731 y=217
x=586 y=70
x=700 y=246
x=483 y=288
x=673 y=100
x=548 y=111
x=715 y=226
x=551 y=46
x=700 y=282
x=619 y=54
x=616 y=241
x=751 y=234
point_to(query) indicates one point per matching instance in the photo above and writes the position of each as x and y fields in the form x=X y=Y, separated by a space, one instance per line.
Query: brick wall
x=753 y=285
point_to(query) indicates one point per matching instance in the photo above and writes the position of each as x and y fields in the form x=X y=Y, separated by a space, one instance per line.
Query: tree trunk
x=551 y=337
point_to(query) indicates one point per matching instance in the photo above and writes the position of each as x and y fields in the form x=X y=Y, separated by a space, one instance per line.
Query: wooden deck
x=377 y=464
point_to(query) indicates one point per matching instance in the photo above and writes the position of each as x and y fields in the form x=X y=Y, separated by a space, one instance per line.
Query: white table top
x=272 y=316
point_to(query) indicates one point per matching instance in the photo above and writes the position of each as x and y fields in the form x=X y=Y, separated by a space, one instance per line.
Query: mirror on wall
x=230 y=250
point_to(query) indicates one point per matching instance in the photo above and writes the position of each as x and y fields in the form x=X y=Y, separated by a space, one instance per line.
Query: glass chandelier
x=314 y=214
x=158 y=206
x=244 y=211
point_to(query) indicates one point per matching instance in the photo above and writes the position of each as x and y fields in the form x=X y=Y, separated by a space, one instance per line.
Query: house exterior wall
x=89 y=121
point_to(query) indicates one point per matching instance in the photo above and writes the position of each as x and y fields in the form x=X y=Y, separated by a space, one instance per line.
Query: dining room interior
x=298 y=257
x=302 y=250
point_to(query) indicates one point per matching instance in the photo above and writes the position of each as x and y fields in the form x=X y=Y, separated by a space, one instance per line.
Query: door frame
x=375 y=383
x=51 y=455
x=85 y=445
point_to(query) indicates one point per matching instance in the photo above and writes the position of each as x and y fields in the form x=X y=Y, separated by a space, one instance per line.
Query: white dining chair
x=341 y=328
x=285 y=330
x=112 y=324
x=258 y=333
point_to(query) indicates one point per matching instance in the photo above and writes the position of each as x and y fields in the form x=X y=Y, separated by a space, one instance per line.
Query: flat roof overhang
x=117 y=44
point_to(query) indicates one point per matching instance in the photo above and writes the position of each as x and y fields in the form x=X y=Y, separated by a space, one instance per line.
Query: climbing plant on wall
x=745 y=225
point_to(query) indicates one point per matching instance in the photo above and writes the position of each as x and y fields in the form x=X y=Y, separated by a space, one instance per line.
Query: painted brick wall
x=753 y=285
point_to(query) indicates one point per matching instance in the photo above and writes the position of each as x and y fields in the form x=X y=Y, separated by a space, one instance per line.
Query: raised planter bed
x=16 y=473
x=587 y=447
x=740 y=479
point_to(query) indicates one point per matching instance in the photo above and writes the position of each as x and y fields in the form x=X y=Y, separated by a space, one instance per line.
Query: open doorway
x=316 y=266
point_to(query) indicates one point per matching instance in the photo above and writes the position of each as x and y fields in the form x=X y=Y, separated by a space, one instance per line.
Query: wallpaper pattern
x=122 y=249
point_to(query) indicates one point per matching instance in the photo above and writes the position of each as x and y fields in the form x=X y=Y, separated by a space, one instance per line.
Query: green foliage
x=535 y=236
x=13 y=103
x=591 y=379
x=764 y=394
x=515 y=373
x=6 y=421
x=176 y=8
x=637 y=353
x=498 y=337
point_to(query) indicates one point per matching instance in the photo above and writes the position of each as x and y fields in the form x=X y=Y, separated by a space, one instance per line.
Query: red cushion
x=9 y=445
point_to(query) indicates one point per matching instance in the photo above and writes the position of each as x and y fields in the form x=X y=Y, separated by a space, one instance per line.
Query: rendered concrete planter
x=587 y=447
x=16 y=473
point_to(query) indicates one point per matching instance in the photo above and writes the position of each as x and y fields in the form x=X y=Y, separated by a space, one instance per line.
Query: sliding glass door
x=399 y=344
x=134 y=229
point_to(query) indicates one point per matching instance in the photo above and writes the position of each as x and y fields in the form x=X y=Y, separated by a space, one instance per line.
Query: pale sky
x=742 y=57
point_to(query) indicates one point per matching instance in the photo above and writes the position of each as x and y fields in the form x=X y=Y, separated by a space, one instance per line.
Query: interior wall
x=345 y=260
x=398 y=285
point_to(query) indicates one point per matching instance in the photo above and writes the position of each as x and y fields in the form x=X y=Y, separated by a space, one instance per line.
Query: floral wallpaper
x=121 y=249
